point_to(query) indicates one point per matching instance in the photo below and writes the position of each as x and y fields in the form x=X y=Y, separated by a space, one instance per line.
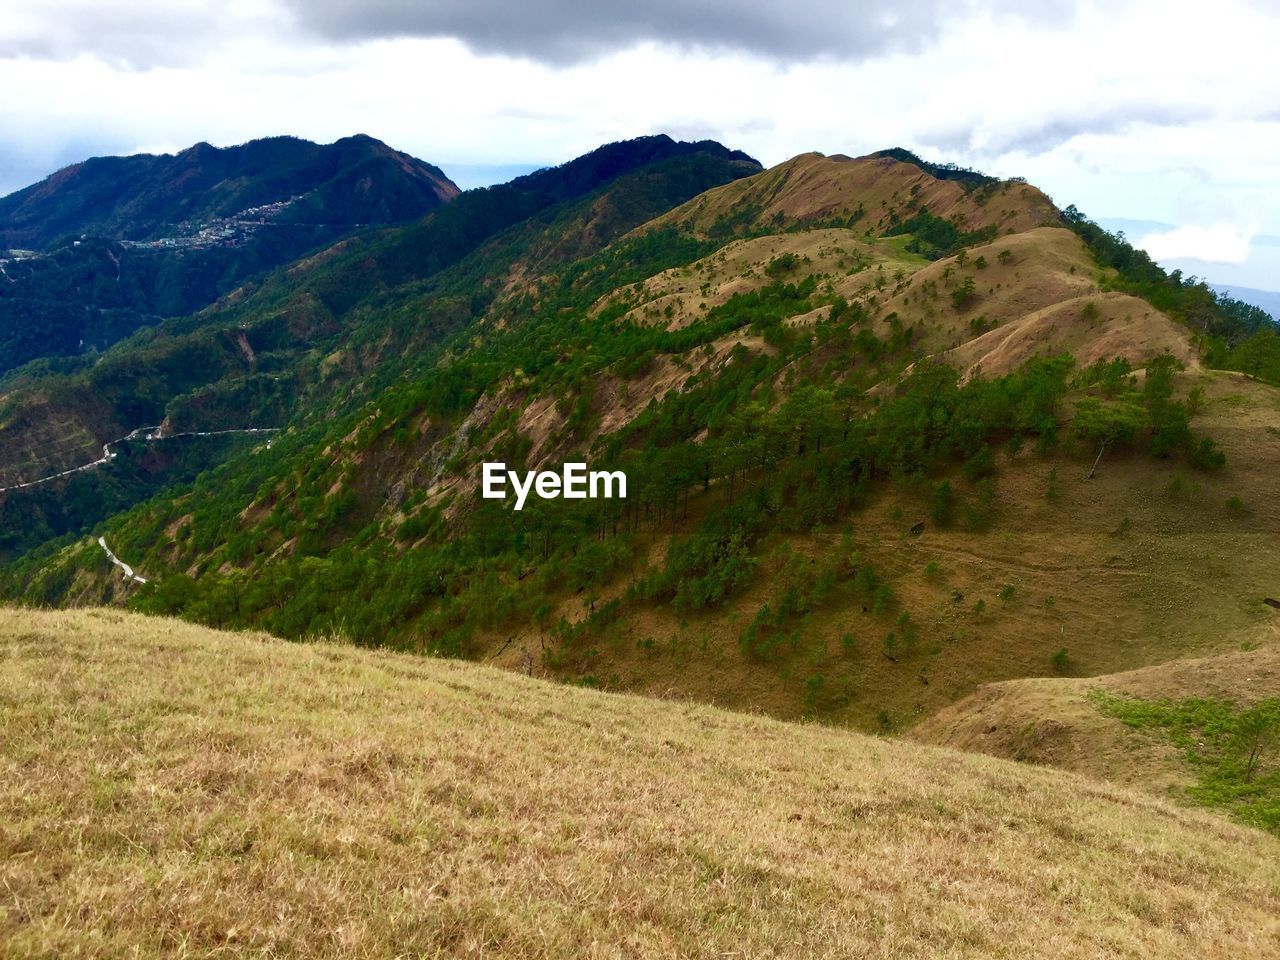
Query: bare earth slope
x=168 y=790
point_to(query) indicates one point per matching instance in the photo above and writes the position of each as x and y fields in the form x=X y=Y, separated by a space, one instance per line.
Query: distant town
x=223 y=232
x=228 y=231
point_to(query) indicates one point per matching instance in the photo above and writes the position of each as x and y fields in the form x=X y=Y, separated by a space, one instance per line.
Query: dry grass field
x=811 y=187
x=170 y=791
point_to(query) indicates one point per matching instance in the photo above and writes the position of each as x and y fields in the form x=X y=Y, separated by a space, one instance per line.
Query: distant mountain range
x=103 y=247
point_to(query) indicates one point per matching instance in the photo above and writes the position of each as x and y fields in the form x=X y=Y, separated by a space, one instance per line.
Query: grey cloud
x=571 y=31
x=138 y=34
x=130 y=35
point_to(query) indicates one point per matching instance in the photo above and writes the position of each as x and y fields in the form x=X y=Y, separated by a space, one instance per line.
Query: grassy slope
x=811 y=187
x=171 y=790
x=1056 y=721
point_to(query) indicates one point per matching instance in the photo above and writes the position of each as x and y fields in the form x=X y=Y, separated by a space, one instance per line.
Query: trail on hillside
x=145 y=434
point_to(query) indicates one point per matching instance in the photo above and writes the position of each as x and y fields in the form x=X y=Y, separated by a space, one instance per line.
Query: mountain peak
x=144 y=196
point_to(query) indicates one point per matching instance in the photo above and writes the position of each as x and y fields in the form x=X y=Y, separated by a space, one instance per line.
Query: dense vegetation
x=354 y=181
x=89 y=290
x=74 y=506
x=935 y=238
x=80 y=299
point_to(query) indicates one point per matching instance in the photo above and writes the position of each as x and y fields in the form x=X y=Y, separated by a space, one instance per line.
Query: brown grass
x=171 y=791
x=811 y=187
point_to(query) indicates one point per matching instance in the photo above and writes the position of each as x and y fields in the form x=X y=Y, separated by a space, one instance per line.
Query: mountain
x=106 y=246
x=891 y=432
x=354 y=181
x=361 y=303
x=908 y=451
x=322 y=800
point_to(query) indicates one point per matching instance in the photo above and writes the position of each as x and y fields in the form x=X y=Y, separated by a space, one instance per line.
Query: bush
x=1207 y=456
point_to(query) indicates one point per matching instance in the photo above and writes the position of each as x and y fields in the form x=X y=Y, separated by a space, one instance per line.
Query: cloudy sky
x=1166 y=114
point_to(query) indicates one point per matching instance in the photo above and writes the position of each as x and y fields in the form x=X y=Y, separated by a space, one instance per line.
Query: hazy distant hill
x=1268 y=300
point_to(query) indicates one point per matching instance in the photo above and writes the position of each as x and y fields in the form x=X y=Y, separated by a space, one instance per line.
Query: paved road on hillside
x=146 y=434
x=128 y=570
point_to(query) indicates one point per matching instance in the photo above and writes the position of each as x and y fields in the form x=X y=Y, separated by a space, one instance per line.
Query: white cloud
x=1219 y=243
x=1151 y=110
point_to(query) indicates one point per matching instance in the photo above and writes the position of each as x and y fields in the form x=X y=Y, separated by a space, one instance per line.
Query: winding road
x=128 y=570
x=147 y=434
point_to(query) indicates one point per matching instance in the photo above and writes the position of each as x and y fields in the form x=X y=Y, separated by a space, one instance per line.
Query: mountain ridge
x=845 y=392
x=123 y=242
x=138 y=197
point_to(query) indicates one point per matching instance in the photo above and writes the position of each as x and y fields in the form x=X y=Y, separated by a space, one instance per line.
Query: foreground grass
x=166 y=790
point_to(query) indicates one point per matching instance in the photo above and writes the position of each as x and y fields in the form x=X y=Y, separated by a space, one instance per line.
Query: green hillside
x=889 y=433
x=116 y=243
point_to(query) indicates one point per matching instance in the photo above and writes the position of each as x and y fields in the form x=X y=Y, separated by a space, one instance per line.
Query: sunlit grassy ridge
x=167 y=790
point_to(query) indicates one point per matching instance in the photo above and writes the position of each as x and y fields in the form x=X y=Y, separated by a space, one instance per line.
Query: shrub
x=964 y=293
